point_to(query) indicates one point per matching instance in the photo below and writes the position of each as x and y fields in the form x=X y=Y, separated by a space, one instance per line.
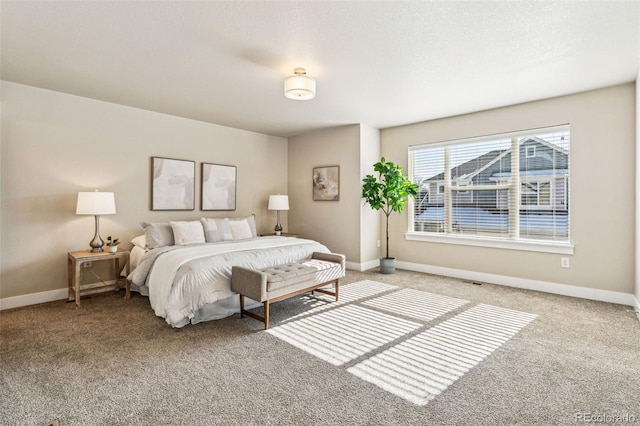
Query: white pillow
x=136 y=255
x=251 y=220
x=140 y=241
x=185 y=233
x=240 y=229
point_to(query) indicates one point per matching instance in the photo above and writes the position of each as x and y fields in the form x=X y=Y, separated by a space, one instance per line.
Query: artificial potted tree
x=389 y=192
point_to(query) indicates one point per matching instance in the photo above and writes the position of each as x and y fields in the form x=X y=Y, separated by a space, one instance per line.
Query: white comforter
x=182 y=280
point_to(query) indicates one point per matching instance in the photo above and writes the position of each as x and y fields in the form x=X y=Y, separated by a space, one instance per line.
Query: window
x=531 y=151
x=510 y=187
x=535 y=194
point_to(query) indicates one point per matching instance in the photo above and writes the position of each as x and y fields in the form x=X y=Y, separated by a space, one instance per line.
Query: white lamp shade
x=300 y=87
x=278 y=202
x=96 y=203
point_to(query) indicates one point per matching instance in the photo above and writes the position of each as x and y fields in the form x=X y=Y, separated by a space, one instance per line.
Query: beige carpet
x=408 y=348
x=424 y=354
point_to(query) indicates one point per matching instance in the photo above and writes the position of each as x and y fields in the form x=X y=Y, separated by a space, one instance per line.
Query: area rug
x=411 y=343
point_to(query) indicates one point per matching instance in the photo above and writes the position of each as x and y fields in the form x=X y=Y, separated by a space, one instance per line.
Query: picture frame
x=218 y=187
x=326 y=183
x=172 y=184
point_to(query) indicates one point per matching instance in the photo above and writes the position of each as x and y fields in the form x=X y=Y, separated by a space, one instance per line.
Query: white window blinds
x=511 y=186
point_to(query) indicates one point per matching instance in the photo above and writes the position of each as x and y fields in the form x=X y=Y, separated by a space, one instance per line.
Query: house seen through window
x=512 y=186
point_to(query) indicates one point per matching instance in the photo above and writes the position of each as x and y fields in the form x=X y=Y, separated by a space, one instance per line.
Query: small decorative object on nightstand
x=112 y=245
x=77 y=259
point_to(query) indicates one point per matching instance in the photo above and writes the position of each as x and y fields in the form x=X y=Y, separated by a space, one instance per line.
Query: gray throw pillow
x=158 y=234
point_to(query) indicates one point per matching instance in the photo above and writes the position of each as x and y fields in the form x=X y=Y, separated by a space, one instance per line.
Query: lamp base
x=97 y=243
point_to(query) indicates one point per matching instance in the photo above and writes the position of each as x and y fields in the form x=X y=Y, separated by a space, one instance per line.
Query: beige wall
x=602 y=202
x=54 y=145
x=333 y=223
x=637 y=229
x=637 y=264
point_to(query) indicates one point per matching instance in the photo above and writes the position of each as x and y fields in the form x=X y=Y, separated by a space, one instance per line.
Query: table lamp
x=96 y=203
x=278 y=202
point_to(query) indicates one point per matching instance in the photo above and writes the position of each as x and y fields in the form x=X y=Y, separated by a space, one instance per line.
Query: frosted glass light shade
x=278 y=202
x=96 y=203
x=300 y=86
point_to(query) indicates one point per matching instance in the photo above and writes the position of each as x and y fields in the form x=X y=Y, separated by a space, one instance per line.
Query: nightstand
x=77 y=259
x=284 y=234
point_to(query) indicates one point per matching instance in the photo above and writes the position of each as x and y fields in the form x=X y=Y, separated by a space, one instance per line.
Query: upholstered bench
x=280 y=282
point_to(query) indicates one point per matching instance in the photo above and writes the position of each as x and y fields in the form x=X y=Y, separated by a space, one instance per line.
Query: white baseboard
x=353 y=266
x=33 y=299
x=636 y=306
x=37 y=298
x=527 y=284
x=361 y=267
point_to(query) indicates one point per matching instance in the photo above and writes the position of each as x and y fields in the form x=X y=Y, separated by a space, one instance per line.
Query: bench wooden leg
x=330 y=292
x=264 y=319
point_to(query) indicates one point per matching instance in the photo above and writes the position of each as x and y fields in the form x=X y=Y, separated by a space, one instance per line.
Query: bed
x=187 y=277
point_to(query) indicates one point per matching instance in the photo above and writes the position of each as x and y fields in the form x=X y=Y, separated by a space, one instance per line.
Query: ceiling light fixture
x=299 y=86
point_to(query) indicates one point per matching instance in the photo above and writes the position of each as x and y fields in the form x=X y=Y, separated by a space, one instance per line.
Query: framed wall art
x=326 y=183
x=218 y=187
x=172 y=184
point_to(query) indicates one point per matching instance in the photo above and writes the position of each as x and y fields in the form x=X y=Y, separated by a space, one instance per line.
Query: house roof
x=470 y=168
x=383 y=64
x=475 y=166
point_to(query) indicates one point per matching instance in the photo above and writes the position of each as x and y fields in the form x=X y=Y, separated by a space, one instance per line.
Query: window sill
x=539 y=246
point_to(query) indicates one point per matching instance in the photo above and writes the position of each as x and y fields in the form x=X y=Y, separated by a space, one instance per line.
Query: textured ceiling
x=379 y=63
